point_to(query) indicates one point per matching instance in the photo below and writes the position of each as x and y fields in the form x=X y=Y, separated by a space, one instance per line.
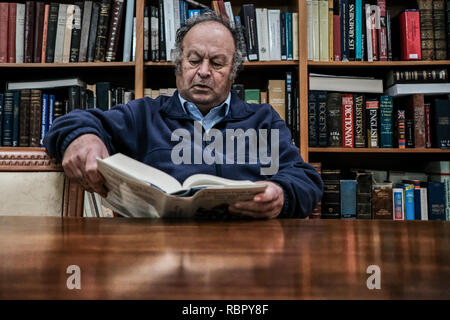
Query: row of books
x=345 y=120
x=28 y=111
x=360 y=194
x=86 y=31
x=363 y=30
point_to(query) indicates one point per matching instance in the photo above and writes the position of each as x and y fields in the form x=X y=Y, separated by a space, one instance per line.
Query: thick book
x=35 y=118
x=334 y=119
x=372 y=119
x=68 y=33
x=76 y=35
x=154 y=31
x=347 y=121
x=382 y=32
x=313 y=123
x=248 y=19
x=406 y=89
x=410 y=35
x=11 y=53
x=416 y=110
x=20 y=30
x=38 y=31
x=4 y=12
x=263 y=33
x=28 y=42
x=85 y=31
x=93 y=31
x=102 y=31
x=321 y=113
x=348 y=199
x=440 y=30
x=24 y=118
x=386 y=122
x=51 y=32
x=273 y=18
x=363 y=195
x=331 y=201
x=323 y=31
x=426 y=29
x=441 y=117
x=417 y=198
x=360 y=120
x=436 y=200
x=8 y=115
x=416 y=76
x=139 y=190
x=60 y=31
x=277 y=96
x=45 y=84
x=382 y=201
x=114 y=30
x=345 y=83
x=127 y=39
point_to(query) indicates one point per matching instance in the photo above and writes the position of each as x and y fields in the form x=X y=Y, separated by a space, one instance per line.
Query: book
x=436 y=200
x=85 y=30
x=24 y=118
x=351 y=30
x=38 y=31
x=334 y=119
x=60 y=30
x=416 y=76
x=15 y=125
x=29 y=31
x=331 y=201
x=382 y=203
x=440 y=32
x=263 y=33
x=398 y=203
x=382 y=31
x=248 y=19
x=154 y=30
x=20 y=25
x=416 y=110
x=321 y=114
x=313 y=125
x=76 y=35
x=35 y=118
x=277 y=96
x=363 y=195
x=348 y=199
x=139 y=190
x=360 y=120
x=295 y=35
x=45 y=84
x=426 y=29
x=409 y=201
x=68 y=33
x=93 y=31
x=372 y=110
x=4 y=13
x=273 y=18
x=45 y=33
x=418 y=88
x=441 y=118
x=102 y=31
x=344 y=30
x=347 y=121
x=169 y=27
x=11 y=52
x=345 y=84
x=114 y=30
x=147 y=35
x=323 y=31
x=252 y=95
x=410 y=35
x=8 y=114
x=386 y=122
x=129 y=14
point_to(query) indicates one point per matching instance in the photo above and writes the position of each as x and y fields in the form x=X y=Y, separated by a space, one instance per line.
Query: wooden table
x=274 y=259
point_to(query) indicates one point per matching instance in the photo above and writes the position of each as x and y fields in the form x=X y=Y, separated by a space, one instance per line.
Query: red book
x=223 y=11
x=12 y=33
x=347 y=121
x=337 y=37
x=410 y=35
x=382 y=32
x=374 y=31
x=427 y=125
x=44 y=34
x=4 y=12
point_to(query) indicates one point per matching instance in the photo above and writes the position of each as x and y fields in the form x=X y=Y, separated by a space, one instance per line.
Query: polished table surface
x=272 y=259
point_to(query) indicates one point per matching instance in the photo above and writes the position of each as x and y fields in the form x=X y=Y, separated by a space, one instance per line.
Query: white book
x=295 y=35
x=405 y=89
x=309 y=29
x=60 y=30
x=148 y=92
x=176 y=14
x=85 y=29
x=398 y=205
x=128 y=35
x=20 y=25
x=315 y=30
x=323 y=31
x=345 y=84
x=147 y=33
x=68 y=33
x=369 y=34
x=45 y=84
x=423 y=203
x=262 y=31
x=229 y=11
x=169 y=27
x=133 y=52
x=273 y=17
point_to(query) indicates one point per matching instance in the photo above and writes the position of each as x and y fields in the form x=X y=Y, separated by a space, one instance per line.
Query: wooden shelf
x=375 y=64
x=68 y=65
x=378 y=150
x=11 y=149
x=166 y=64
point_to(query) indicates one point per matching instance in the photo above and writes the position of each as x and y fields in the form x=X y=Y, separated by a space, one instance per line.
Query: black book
x=331 y=200
x=321 y=112
x=102 y=89
x=360 y=123
x=389 y=34
x=296 y=122
x=351 y=30
x=363 y=195
x=334 y=119
x=154 y=32
x=410 y=133
x=283 y=36
x=93 y=31
x=51 y=32
x=102 y=31
x=248 y=20
x=76 y=32
x=441 y=117
x=239 y=90
x=74 y=99
x=313 y=125
x=344 y=30
x=289 y=106
x=162 y=33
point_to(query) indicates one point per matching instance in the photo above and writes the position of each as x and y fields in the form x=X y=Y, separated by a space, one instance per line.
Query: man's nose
x=204 y=69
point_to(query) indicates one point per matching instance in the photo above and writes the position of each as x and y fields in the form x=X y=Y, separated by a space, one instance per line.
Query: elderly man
x=207 y=57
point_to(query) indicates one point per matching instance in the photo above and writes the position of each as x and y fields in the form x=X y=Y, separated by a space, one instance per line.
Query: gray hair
x=177 y=52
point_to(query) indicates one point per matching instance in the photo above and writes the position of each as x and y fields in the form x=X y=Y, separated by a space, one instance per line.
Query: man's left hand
x=267 y=204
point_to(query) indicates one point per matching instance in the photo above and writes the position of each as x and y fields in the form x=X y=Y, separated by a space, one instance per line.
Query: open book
x=139 y=190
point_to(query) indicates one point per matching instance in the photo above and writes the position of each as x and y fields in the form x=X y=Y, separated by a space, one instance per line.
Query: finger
x=270 y=194
x=255 y=206
x=93 y=177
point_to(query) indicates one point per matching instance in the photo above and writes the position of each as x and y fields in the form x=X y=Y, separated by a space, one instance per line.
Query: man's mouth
x=201 y=86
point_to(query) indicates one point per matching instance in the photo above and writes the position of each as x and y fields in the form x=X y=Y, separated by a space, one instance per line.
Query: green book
x=252 y=96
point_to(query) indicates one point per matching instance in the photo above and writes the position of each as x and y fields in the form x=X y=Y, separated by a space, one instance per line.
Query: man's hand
x=80 y=164
x=267 y=204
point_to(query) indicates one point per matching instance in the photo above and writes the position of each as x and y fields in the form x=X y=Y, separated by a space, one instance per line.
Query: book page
x=140 y=171
x=210 y=180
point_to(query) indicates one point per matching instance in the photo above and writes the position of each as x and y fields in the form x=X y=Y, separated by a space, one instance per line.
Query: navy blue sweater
x=142 y=129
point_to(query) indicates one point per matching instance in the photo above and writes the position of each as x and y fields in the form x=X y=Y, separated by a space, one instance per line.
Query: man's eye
x=194 y=62
x=216 y=64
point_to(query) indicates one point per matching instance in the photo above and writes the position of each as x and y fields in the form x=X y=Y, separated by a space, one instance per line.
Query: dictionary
x=139 y=190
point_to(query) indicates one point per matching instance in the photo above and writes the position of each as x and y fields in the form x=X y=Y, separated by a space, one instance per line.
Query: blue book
x=398 y=205
x=15 y=136
x=321 y=114
x=358 y=30
x=51 y=110
x=436 y=200
x=386 y=122
x=183 y=12
x=44 y=118
x=289 y=48
x=1 y=117
x=8 y=114
x=409 y=201
x=193 y=12
x=348 y=199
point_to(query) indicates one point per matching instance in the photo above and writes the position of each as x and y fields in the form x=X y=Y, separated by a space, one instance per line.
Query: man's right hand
x=80 y=164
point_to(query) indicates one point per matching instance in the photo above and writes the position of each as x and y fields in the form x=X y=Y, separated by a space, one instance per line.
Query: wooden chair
x=32 y=183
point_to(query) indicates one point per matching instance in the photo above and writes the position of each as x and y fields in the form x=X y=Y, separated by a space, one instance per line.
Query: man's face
x=208 y=50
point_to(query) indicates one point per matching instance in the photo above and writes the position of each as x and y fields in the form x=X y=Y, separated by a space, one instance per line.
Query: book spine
x=283 y=45
x=146 y=35
x=448 y=31
x=347 y=121
x=374 y=26
x=386 y=123
x=322 y=118
x=309 y=22
x=51 y=111
x=38 y=31
x=427 y=121
x=401 y=128
x=162 y=32
x=154 y=29
x=289 y=107
x=93 y=31
x=389 y=34
x=436 y=200
x=348 y=199
x=423 y=203
x=44 y=119
x=360 y=126
x=372 y=107
x=294 y=37
x=418 y=112
x=29 y=31
x=336 y=37
x=289 y=50
x=409 y=133
x=331 y=202
x=45 y=33
x=398 y=204
x=102 y=31
x=351 y=30
x=330 y=30
x=12 y=32
x=382 y=32
x=60 y=30
x=35 y=118
x=263 y=35
x=128 y=31
x=169 y=28
x=313 y=126
x=133 y=46
x=8 y=109
x=76 y=35
x=4 y=13
x=20 y=30
x=323 y=31
x=410 y=36
x=442 y=123
x=358 y=30
x=16 y=108
x=440 y=32
x=344 y=30
x=68 y=33
x=369 y=33
x=274 y=33
x=24 y=118
x=114 y=30
x=1 y=115
x=409 y=201
x=85 y=31
x=334 y=119
x=382 y=201
x=363 y=196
